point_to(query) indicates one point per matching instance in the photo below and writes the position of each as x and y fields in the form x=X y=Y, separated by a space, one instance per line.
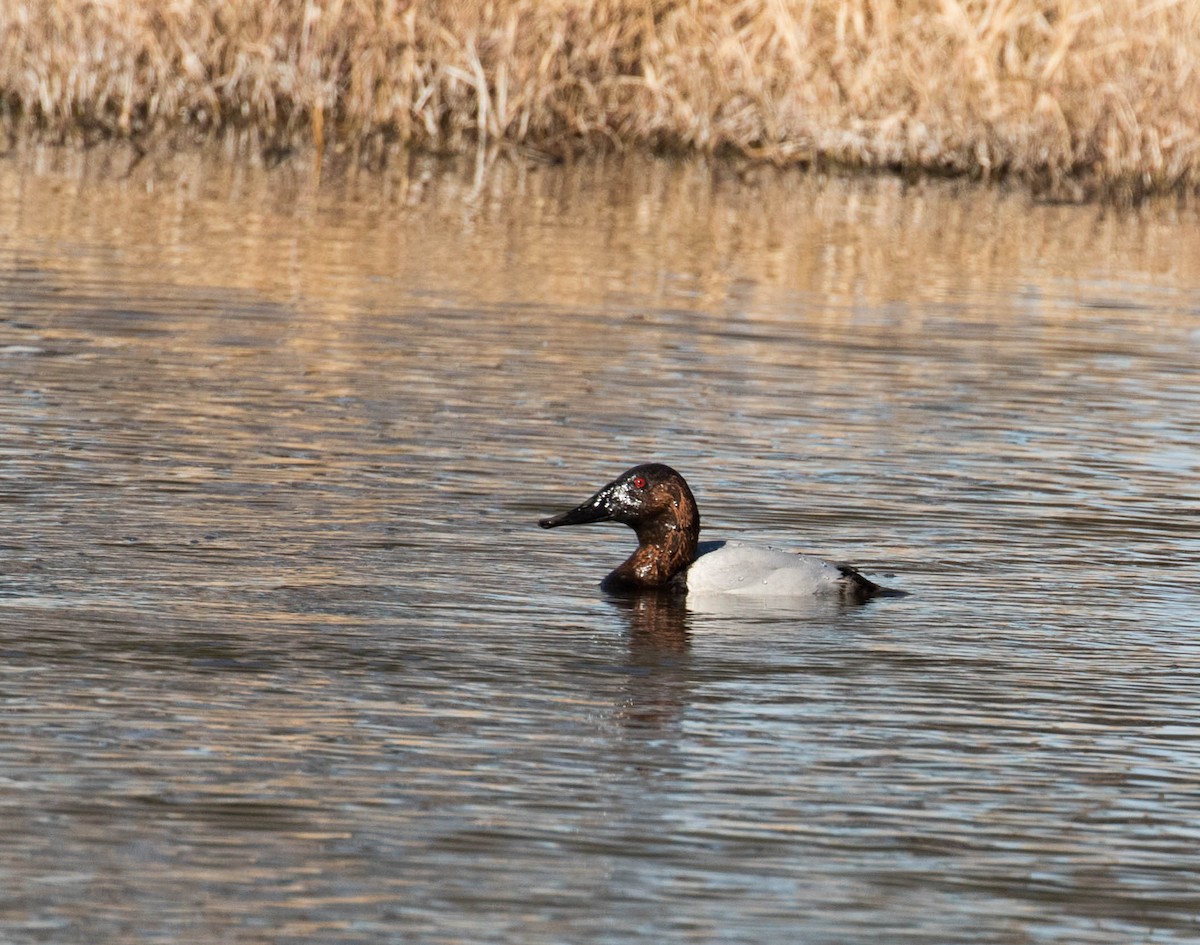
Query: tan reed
x=1075 y=98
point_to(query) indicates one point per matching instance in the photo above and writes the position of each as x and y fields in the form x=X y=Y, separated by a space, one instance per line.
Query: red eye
x=639 y=482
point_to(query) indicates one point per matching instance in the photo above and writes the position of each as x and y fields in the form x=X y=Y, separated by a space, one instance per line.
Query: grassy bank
x=1073 y=97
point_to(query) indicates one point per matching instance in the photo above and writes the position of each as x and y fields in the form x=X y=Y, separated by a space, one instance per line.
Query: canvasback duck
x=655 y=501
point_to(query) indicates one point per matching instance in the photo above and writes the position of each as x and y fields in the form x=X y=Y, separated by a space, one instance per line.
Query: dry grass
x=1074 y=97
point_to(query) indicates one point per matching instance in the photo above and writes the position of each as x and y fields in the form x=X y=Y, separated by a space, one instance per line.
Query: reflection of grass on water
x=1075 y=96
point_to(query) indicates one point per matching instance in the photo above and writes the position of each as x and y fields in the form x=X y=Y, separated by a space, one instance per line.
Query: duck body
x=736 y=567
x=656 y=502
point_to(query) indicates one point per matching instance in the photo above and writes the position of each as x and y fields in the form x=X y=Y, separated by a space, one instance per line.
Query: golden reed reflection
x=616 y=233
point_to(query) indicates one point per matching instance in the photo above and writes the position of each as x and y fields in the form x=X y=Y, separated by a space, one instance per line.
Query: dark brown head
x=655 y=501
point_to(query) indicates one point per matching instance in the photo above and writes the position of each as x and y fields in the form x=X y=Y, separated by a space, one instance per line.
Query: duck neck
x=666 y=546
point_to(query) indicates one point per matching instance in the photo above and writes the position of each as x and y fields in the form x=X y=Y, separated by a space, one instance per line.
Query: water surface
x=285 y=657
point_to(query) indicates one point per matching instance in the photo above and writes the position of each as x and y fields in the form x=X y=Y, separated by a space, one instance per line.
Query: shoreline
x=1073 y=103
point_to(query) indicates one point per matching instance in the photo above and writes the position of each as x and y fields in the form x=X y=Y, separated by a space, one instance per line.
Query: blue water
x=286 y=658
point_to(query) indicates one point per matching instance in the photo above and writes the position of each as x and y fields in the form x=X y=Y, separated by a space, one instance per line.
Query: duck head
x=655 y=501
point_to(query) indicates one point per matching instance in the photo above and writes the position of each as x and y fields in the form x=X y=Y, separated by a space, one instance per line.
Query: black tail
x=858 y=589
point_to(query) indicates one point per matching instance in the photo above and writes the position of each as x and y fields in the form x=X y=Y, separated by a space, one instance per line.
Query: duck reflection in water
x=659 y=678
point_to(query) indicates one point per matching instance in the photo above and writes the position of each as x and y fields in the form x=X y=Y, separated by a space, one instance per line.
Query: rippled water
x=285 y=657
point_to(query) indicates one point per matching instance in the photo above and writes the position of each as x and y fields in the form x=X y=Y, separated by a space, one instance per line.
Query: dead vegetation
x=1072 y=97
